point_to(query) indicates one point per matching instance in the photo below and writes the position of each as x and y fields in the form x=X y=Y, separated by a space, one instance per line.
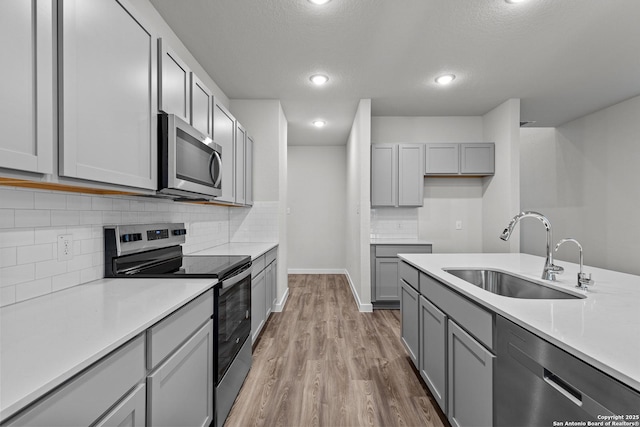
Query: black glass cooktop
x=210 y=265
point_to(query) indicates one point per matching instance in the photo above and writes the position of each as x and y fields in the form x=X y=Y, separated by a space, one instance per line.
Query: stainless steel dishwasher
x=536 y=383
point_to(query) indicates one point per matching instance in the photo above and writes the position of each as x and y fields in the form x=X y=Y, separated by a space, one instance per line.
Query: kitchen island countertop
x=602 y=329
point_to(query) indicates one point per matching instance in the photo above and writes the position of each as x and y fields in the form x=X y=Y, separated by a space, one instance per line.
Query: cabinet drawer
x=258 y=265
x=410 y=275
x=85 y=398
x=470 y=316
x=271 y=256
x=165 y=336
x=394 y=250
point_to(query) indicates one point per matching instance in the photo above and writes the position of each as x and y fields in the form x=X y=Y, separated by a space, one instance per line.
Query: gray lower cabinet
x=180 y=390
x=131 y=412
x=470 y=379
x=271 y=279
x=86 y=398
x=385 y=272
x=410 y=311
x=433 y=350
x=258 y=312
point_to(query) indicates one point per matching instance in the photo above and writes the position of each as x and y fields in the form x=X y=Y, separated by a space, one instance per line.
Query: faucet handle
x=584 y=280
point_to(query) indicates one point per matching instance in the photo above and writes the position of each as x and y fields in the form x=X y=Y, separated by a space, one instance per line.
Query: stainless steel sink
x=508 y=285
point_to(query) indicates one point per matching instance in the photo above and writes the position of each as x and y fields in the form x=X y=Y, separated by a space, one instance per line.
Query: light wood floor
x=322 y=363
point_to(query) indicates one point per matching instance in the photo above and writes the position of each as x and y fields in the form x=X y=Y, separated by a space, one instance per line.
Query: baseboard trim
x=316 y=271
x=279 y=306
x=363 y=308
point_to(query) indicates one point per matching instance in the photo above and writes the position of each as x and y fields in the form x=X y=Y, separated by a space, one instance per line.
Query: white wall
x=266 y=122
x=317 y=196
x=583 y=176
x=357 y=221
x=446 y=200
x=501 y=192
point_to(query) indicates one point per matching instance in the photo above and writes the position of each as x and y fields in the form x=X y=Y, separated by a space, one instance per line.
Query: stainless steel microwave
x=189 y=163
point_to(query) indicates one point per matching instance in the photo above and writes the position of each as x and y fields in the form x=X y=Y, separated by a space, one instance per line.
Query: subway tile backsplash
x=394 y=223
x=32 y=220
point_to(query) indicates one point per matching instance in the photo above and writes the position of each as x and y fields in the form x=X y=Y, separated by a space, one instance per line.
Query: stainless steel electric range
x=155 y=251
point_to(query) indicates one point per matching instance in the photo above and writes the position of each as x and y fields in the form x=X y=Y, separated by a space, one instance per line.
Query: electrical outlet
x=65 y=247
x=458 y=225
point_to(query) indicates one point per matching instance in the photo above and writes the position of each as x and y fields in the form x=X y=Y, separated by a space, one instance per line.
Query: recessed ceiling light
x=319 y=2
x=445 y=79
x=319 y=79
x=319 y=123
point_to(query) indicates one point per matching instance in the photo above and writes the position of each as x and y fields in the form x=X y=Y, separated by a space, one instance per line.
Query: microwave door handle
x=216 y=158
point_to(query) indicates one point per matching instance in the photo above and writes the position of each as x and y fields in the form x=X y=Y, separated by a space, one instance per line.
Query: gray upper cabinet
x=26 y=85
x=108 y=105
x=174 y=83
x=474 y=159
x=224 y=131
x=384 y=175
x=201 y=106
x=477 y=159
x=442 y=159
x=248 y=175
x=241 y=135
x=397 y=175
x=410 y=176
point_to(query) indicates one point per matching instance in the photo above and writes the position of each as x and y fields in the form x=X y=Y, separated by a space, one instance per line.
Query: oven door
x=233 y=319
x=190 y=162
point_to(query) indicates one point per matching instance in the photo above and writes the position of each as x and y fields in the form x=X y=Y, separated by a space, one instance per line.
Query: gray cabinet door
x=410 y=312
x=224 y=130
x=180 y=391
x=442 y=159
x=268 y=300
x=411 y=175
x=387 y=279
x=258 y=296
x=128 y=413
x=477 y=159
x=201 y=106
x=26 y=85
x=248 y=172
x=240 y=164
x=108 y=106
x=384 y=175
x=470 y=380
x=175 y=91
x=433 y=351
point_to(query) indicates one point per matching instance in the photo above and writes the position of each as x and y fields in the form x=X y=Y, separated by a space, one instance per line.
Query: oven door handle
x=233 y=280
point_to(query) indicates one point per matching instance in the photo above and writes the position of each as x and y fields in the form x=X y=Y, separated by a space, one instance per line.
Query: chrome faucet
x=550 y=270
x=584 y=279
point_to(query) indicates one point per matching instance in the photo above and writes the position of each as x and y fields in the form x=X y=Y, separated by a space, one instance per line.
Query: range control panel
x=138 y=237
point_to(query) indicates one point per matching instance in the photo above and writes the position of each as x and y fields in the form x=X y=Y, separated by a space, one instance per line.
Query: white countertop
x=252 y=249
x=386 y=241
x=602 y=329
x=46 y=340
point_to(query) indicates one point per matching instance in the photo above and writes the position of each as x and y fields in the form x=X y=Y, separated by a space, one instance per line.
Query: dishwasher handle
x=566 y=389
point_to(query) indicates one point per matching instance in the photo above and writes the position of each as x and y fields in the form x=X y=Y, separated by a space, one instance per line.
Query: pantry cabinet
x=27 y=86
x=174 y=94
x=108 y=93
x=397 y=175
x=201 y=106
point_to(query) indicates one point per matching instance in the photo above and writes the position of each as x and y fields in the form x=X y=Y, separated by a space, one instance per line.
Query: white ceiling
x=563 y=58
